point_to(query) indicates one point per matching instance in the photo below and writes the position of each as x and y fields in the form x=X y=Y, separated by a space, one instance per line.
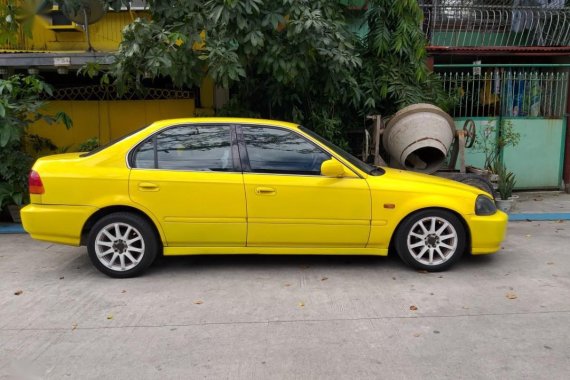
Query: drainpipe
x=566 y=167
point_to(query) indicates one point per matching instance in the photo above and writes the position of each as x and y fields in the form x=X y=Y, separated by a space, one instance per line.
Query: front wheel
x=122 y=245
x=431 y=240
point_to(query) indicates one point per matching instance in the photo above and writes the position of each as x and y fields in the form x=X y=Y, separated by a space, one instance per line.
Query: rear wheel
x=431 y=240
x=122 y=245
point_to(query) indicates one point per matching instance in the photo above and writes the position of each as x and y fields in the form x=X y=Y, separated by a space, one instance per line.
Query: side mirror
x=332 y=168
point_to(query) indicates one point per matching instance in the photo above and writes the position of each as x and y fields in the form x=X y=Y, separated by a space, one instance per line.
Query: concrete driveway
x=503 y=316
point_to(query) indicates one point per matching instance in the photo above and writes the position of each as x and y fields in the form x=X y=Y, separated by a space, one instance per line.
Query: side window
x=195 y=148
x=275 y=150
x=144 y=156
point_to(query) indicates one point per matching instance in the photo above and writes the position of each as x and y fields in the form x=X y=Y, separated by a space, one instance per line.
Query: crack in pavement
x=284 y=321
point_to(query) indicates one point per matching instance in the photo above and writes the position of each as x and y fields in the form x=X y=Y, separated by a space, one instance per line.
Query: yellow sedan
x=248 y=186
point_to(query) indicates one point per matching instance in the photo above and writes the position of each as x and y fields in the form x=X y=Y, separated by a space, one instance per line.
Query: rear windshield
x=105 y=146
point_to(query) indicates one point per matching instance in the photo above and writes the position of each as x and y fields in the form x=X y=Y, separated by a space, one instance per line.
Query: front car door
x=289 y=202
x=189 y=177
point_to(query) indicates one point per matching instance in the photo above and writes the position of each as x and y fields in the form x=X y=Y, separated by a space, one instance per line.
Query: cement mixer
x=421 y=138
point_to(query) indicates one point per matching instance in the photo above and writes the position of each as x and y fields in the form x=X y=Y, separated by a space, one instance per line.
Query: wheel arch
x=458 y=215
x=113 y=209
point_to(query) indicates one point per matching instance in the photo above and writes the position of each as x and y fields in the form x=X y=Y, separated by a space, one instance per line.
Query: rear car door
x=189 y=177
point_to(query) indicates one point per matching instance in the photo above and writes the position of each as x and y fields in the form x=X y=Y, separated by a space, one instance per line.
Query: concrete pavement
x=260 y=317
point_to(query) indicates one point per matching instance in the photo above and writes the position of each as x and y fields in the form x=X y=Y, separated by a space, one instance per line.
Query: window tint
x=274 y=150
x=144 y=157
x=196 y=148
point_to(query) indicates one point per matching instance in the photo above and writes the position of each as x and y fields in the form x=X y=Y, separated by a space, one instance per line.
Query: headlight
x=485 y=206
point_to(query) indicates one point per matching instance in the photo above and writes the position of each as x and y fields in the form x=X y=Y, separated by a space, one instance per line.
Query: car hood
x=424 y=183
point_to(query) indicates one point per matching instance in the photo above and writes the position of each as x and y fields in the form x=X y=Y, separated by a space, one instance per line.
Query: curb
x=11 y=228
x=529 y=217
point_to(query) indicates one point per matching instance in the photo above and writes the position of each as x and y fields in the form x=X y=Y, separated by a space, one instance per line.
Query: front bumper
x=487 y=232
x=56 y=223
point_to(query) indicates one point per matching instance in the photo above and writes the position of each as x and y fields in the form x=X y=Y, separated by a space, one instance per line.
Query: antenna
x=86 y=13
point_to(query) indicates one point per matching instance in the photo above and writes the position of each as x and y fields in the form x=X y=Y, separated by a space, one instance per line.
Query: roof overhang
x=23 y=59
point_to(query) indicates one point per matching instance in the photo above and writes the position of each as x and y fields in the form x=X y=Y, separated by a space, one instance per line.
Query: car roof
x=228 y=120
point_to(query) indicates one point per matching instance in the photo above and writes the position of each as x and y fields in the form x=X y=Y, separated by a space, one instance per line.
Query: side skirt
x=179 y=251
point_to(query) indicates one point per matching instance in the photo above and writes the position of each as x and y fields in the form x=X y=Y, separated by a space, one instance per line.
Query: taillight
x=35 y=183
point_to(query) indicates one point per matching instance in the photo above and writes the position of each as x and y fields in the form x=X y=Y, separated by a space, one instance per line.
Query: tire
x=476 y=181
x=434 y=247
x=122 y=245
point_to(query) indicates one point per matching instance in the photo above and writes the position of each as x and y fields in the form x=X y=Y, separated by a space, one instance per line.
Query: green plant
x=491 y=142
x=394 y=73
x=15 y=165
x=89 y=145
x=9 y=195
x=20 y=106
x=507 y=180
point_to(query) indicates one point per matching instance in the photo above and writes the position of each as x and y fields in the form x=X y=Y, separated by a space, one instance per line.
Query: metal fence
x=508 y=93
x=99 y=92
x=496 y=23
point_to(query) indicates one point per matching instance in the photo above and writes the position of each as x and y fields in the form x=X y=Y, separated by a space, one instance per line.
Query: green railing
x=507 y=92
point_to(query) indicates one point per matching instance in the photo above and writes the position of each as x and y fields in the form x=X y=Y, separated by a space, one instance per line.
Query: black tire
x=143 y=247
x=411 y=240
x=476 y=181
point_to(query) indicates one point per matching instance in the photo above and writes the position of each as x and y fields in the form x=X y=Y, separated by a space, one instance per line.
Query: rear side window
x=193 y=148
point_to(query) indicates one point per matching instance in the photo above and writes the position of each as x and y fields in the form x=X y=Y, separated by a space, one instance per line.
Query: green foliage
x=89 y=145
x=20 y=106
x=40 y=144
x=507 y=180
x=9 y=195
x=394 y=74
x=14 y=168
x=284 y=59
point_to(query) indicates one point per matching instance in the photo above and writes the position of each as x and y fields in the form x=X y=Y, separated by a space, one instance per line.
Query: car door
x=189 y=177
x=289 y=203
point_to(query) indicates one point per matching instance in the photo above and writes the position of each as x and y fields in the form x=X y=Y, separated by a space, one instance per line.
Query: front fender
x=388 y=212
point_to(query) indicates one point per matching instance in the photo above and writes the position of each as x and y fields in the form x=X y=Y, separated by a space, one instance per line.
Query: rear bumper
x=56 y=223
x=487 y=232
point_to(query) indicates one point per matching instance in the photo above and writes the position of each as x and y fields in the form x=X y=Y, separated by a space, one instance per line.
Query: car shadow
x=172 y=265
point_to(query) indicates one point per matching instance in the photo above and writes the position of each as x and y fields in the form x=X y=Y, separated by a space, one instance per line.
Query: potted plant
x=506 y=184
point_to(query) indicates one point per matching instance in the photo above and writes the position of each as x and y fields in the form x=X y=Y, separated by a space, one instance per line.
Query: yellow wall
x=108 y=120
x=105 y=34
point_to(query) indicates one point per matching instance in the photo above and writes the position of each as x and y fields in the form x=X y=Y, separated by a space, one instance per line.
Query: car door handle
x=148 y=186
x=264 y=191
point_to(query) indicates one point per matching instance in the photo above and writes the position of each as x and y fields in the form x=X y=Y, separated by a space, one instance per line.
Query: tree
x=394 y=73
x=284 y=59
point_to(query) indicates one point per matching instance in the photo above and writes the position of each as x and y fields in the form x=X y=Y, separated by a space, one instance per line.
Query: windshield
x=367 y=168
